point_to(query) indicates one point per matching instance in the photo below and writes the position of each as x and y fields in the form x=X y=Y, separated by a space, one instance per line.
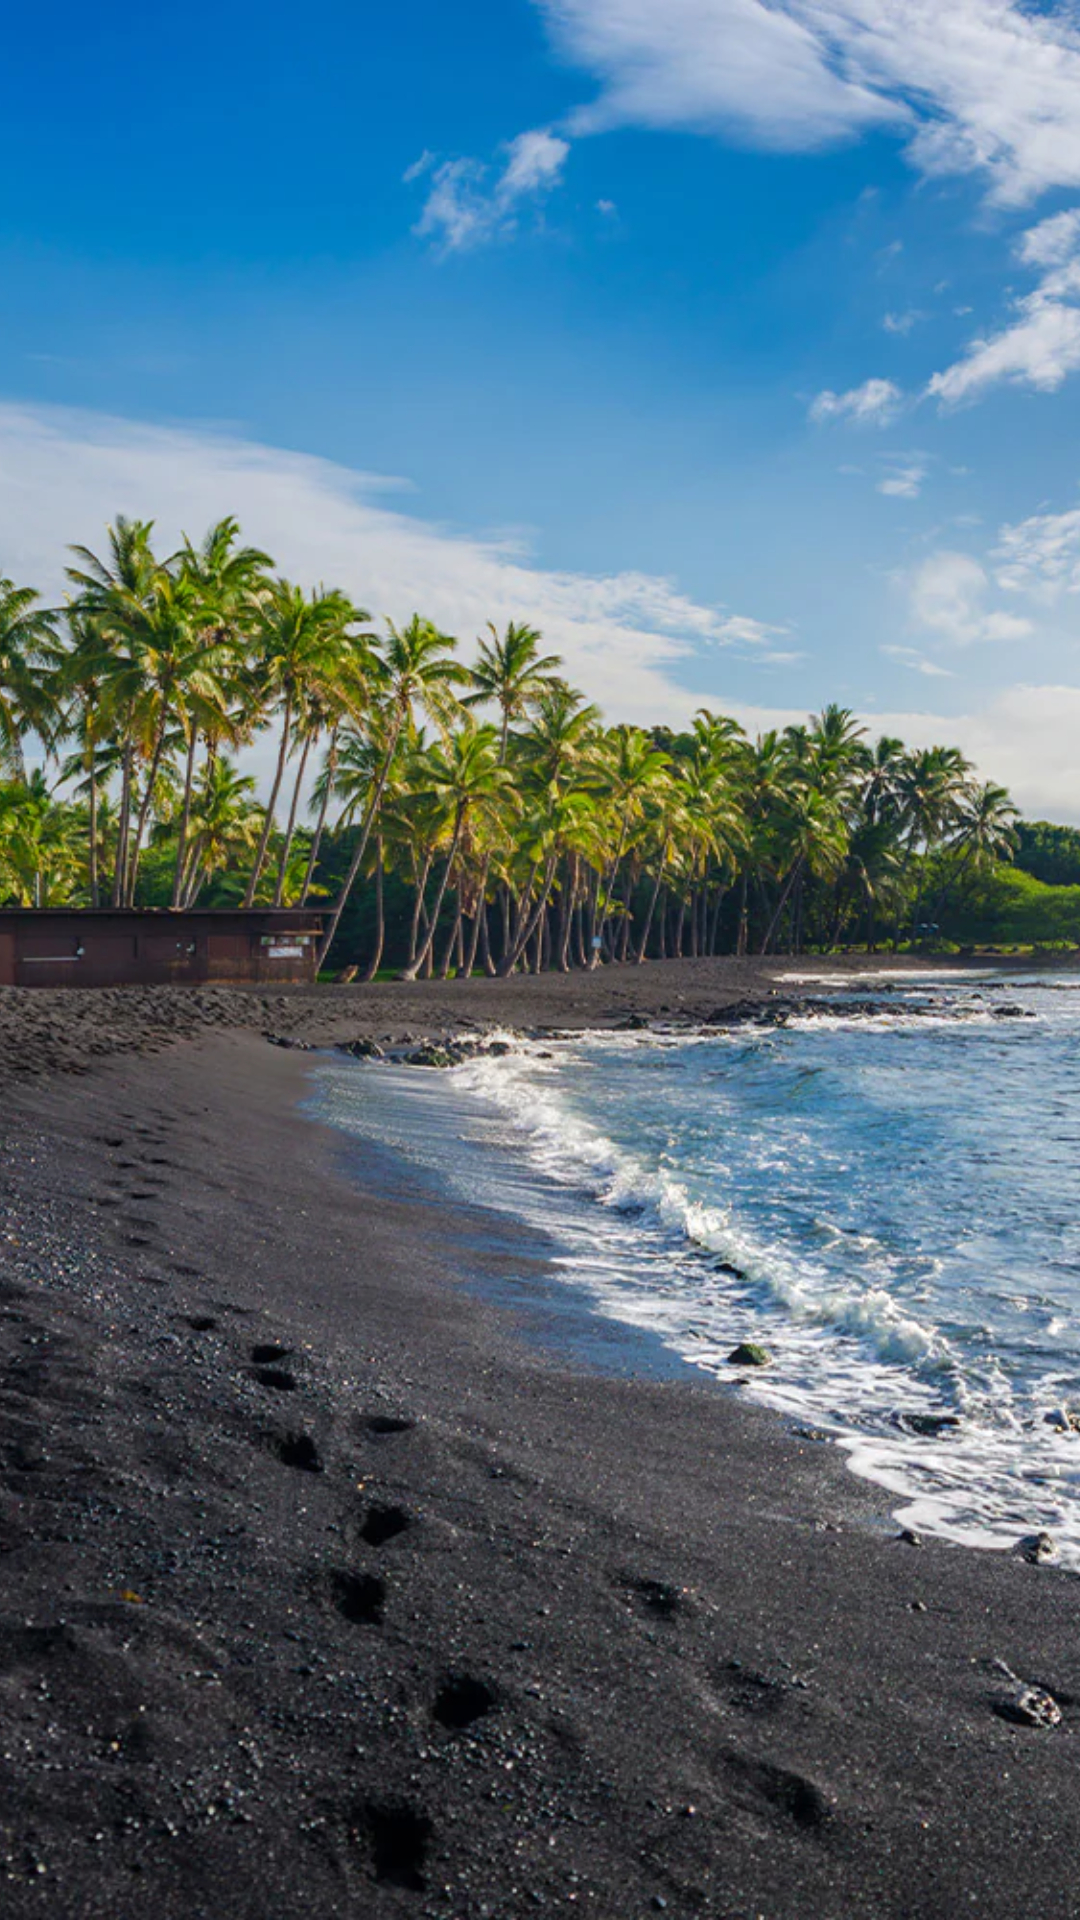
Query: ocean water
x=890 y=1204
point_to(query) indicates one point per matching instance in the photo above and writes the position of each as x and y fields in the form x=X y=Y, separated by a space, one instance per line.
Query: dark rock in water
x=286 y=1040
x=1012 y=1013
x=635 y=1023
x=929 y=1425
x=729 y=1267
x=431 y=1056
x=747 y=1354
x=1036 y=1549
x=362 y=1049
x=498 y=1049
x=909 y=1537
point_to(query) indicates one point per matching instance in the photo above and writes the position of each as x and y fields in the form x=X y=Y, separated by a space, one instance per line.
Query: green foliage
x=1050 y=853
x=454 y=814
x=1011 y=908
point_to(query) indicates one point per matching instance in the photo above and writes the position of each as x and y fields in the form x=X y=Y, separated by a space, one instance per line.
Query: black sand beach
x=322 y=1592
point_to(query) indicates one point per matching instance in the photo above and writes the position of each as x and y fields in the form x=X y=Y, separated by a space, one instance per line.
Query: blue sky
x=739 y=346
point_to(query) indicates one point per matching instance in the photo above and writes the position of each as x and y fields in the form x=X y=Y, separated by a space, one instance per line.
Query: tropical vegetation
x=444 y=814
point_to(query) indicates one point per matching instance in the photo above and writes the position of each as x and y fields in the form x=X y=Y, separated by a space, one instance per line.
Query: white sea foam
x=792 y=1187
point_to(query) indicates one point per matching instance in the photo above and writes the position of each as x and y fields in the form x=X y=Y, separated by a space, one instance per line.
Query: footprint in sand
x=360 y=1598
x=396 y=1839
x=384 y=1523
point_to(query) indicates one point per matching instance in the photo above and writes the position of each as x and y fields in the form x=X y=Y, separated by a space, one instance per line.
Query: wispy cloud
x=1040 y=555
x=644 y=650
x=1041 y=346
x=948 y=596
x=978 y=86
x=623 y=636
x=902 y=323
x=468 y=207
x=873 y=404
x=918 y=662
x=903 y=478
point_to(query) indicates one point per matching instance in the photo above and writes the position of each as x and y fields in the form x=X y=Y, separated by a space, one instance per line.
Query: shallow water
x=900 y=1195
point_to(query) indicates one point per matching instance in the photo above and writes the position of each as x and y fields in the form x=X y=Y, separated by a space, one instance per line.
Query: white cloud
x=902 y=323
x=983 y=86
x=465 y=210
x=1025 y=737
x=624 y=637
x=1042 y=346
x=918 y=662
x=63 y=474
x=903 y=481
x=1040 y=555
x=419 y=167
x=947 y=595
x=875 y=403
x=1053 y=241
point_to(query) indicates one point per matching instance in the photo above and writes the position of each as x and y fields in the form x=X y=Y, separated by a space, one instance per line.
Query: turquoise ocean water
x=890 y=1204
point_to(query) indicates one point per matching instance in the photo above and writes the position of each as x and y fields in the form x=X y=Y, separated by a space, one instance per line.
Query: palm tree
x=413 y=670
x=628 y=769
x=511 y=673
x=27 y=638
x=225 y=824
x=229 y=580
x=932 y=786
x=299 y=641
x=465 y=777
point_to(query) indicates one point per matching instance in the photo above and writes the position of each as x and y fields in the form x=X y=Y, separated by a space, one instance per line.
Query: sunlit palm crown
x=536 y=836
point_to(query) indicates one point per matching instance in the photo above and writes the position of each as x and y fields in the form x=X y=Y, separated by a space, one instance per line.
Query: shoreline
x=57 y=1030
x=702 y=1667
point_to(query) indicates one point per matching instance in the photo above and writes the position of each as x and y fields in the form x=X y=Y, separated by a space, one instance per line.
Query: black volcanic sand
x=45 y=1029
x=322 y=1593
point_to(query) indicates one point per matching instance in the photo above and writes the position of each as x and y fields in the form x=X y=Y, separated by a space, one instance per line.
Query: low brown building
x=135 y=946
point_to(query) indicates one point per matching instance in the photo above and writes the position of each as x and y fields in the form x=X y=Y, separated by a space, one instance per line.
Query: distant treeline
x=452 y=814
x=1051 y=854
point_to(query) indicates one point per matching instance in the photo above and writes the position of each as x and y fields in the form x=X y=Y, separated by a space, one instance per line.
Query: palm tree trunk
x=486 y=956
x=781 y=904
x=418 y=908
x=375 y=962
x=122 y=826
x=646 y=930
x=478 y=920
x=414 y=967
x=190 y=889
x=742 y=937
x=714 y=928
x=313 y=857
x=147 y=802
x=526 y=933
x=365 y=834
x=291 y=827
x=185 y=820
x=455 y=935
x=268 y=823
x=604 y=893
x=95 y=899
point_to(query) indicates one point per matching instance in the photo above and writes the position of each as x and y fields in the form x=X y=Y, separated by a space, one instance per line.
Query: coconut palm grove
x=450 y=815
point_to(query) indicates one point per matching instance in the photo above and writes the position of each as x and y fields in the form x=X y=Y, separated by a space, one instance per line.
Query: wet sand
x=413 y=1616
